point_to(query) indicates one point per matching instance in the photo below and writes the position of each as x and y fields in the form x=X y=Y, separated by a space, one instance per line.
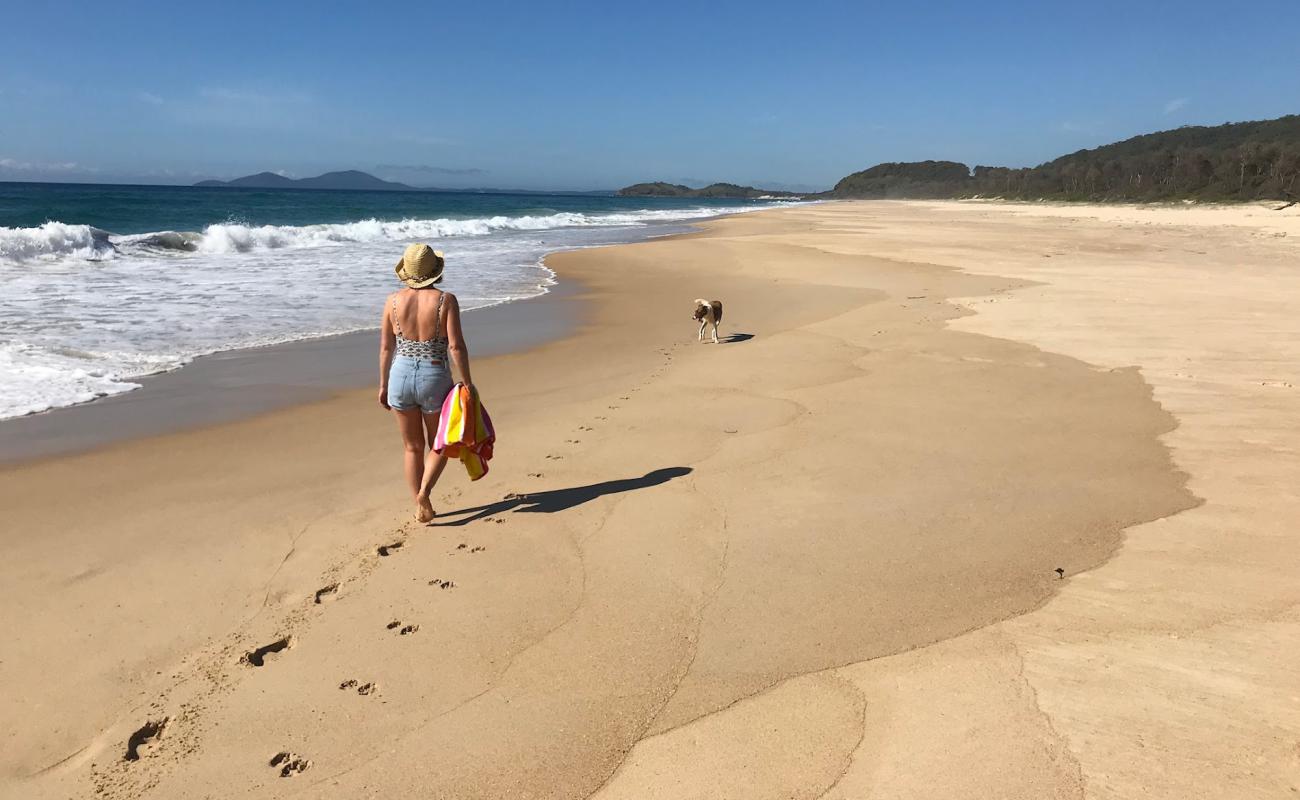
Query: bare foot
x=425 y=512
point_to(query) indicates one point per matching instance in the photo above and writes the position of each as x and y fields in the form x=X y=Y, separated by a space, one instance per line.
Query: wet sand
x=865 y=548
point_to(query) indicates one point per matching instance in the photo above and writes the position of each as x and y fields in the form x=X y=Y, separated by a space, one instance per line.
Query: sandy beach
x=974 y=500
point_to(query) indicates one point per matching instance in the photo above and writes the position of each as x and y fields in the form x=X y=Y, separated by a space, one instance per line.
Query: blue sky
x=597 y=95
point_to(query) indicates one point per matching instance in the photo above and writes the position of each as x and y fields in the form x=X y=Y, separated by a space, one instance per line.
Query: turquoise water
x=100 y=285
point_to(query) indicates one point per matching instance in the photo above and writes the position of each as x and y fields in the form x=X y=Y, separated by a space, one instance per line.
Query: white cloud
x=15 y=165
x=149 y=97
x=1175 y=104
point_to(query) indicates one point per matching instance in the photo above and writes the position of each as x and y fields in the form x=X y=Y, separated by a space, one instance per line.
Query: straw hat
x=420 y=266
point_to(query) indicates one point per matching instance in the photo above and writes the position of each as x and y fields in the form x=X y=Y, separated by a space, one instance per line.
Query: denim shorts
x=417 y=383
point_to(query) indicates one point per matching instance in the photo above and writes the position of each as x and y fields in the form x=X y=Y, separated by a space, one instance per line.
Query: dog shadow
x=735 y=338
x=555 y=500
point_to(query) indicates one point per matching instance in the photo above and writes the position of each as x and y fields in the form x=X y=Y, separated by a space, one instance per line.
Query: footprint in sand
x=441 y=584
x=389 y=549
x=478 y=549
x=555 y=457
x=461 y=546
x=573 y=441
x=536 y=475
x=258 y=657
x=405 y=630
x=362 y=688
x=290 y=764
x=145 y=737
x=327 y=593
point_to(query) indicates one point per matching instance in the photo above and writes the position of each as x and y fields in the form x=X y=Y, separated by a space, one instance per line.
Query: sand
x=873 y=545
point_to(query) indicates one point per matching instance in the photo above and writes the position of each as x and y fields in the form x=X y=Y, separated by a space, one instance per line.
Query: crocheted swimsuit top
x=434 y=349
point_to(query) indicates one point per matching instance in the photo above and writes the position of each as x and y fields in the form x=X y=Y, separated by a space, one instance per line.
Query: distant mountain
x=1233 y=161
x=346 y=180
x=713 y=190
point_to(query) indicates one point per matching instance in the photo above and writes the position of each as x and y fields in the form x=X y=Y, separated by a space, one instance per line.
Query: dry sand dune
x=874 y=545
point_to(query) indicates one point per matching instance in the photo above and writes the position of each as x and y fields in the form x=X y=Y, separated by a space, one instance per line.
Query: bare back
x=415 y=314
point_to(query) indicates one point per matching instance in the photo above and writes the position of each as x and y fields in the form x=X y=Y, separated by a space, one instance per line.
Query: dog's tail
x=717 y=310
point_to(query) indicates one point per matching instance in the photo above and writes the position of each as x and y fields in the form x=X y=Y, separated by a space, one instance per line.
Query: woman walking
x=420 y=332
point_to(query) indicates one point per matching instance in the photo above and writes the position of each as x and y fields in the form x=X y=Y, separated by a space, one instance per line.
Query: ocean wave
x=61 y=241
x=55 y=240
x=187 y=241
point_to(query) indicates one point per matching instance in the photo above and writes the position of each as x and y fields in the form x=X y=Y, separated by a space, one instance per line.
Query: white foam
x=52 y=240
x=236 y=238
x=38 y=379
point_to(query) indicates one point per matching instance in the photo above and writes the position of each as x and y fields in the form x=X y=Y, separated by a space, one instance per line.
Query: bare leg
x=411 y=426
x=434 y=463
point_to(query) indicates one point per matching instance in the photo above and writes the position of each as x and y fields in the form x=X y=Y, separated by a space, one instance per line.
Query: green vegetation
x=714 y=190
x=899 y=179
x=1235 y=161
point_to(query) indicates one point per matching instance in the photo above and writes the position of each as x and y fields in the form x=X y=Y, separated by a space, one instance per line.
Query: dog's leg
x=703 y=324
x=715 y=333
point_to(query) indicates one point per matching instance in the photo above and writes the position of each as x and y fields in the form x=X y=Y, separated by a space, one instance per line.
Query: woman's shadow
x=559 y=499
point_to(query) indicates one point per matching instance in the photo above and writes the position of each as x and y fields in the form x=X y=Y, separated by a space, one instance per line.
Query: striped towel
x=465 y=431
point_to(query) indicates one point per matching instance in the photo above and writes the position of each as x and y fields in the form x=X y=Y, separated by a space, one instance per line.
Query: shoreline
x=234 y=385
x=826 y=548
x=64 y=364
x=231 y=385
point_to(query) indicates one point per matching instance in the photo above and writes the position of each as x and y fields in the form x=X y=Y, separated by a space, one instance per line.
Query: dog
x=708 y=313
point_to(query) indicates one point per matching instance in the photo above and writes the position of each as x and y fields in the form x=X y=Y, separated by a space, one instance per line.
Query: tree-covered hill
x=1235 y=161
x=905 y=179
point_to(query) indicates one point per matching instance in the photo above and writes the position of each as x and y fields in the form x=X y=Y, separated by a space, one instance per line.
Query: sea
x=102 y=285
